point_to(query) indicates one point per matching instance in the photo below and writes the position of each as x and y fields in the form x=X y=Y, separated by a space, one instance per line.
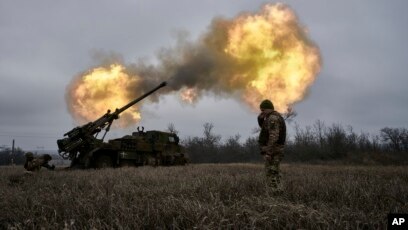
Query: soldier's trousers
x=272 y=169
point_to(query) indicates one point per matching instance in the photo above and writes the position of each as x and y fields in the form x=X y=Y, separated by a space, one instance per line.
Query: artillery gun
x=85 y=150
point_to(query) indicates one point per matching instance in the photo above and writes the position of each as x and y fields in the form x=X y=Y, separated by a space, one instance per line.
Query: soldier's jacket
x=273 y=129
x=36 y=163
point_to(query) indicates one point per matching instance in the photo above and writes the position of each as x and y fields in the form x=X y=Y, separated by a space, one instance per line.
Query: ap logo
x=397 y=221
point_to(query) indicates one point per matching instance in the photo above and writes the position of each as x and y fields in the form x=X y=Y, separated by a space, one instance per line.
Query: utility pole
x=12 y=153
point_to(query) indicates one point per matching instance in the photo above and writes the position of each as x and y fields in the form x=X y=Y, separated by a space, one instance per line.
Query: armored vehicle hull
x=141 y=148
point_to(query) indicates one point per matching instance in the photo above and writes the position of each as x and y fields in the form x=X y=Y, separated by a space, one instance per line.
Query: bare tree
x=405 y=139
x=304 y=136
x=319 y=129
x=209 y=136
x=396 y=138
x=172 y=129
x=336 y=138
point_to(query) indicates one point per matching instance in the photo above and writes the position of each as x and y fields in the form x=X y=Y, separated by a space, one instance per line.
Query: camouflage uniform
x=271 y=141
x=35 y=163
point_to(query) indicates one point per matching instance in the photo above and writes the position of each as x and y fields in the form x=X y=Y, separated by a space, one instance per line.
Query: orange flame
x=93 y=93
x=285 y=63
x=189 y=95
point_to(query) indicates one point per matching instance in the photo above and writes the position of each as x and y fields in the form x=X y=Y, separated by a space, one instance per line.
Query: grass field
x=208 y=196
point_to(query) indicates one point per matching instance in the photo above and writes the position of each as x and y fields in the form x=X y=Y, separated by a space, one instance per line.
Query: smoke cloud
x=254 y=56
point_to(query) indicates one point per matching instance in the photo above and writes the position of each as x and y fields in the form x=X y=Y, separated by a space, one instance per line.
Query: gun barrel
x=118 y=111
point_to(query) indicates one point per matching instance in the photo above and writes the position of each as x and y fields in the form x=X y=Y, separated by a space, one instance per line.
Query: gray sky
x=44 y=44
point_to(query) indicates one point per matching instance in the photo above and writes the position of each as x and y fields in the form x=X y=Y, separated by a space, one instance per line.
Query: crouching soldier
x=35 y=163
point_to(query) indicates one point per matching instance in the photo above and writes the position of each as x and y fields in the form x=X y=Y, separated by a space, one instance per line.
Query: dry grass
x=202 y=196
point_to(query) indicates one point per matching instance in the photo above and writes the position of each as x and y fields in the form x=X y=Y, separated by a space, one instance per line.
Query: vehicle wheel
x=103 y=161
x=127 y=163
x=180 y=160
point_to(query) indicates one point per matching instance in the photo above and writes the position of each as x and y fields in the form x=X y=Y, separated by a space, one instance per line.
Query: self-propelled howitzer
x=83 y=147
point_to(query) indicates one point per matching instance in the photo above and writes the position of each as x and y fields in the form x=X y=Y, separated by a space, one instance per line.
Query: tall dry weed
x=205 y=196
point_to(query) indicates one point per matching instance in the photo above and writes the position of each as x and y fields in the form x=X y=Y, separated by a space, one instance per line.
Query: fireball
x=189 y=95
x=102 y=89
x=284 y=63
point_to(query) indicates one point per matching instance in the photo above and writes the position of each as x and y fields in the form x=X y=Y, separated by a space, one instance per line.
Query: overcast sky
x=44 y=44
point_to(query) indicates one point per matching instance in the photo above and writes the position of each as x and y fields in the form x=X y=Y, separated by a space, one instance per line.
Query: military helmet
x=29 y=155
x=266 y=104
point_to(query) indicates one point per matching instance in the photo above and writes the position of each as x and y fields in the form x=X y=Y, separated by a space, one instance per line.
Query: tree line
x=312 y=143
x=315 y=143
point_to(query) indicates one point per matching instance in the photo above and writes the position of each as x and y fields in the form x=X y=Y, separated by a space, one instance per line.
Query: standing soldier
x=34 y=163
x=272 y=140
